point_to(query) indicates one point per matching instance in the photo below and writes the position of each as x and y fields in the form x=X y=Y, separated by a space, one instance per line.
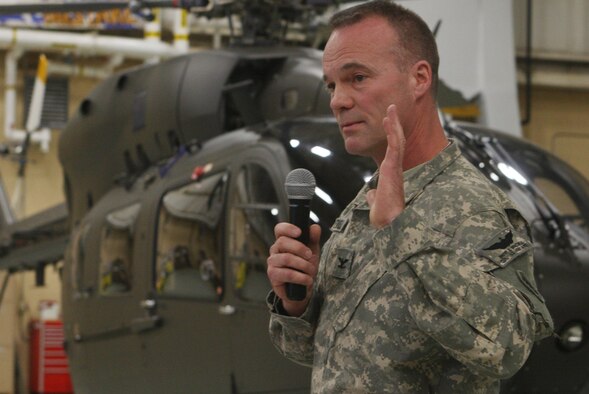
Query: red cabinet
x=49 y=371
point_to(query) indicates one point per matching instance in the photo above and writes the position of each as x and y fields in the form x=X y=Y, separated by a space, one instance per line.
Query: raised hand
x=387 y=201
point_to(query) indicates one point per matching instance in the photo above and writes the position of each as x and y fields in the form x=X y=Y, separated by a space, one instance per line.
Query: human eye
x=330 y=87
x=359 y=77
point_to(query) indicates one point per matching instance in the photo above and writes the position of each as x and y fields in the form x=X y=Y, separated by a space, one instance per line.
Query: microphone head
x=300 y=184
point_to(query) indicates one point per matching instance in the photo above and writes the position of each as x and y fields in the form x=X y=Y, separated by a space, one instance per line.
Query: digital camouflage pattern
x=442 y=300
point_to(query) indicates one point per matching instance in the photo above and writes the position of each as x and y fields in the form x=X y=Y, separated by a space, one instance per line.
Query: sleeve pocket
x=485 y=303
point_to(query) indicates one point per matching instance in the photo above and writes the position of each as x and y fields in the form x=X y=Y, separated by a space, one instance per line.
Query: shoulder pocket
x=521 y=276
x=459 y=290
x=503 y=247
x=509 y=256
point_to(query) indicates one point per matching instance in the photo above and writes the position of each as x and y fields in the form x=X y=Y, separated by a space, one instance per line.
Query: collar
x=417 y=178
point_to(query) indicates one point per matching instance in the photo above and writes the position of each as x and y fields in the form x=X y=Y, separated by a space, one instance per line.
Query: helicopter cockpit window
x=189 y=243
x=558 y=196
x=116 y=248
x=254 y=213
x=564 y=188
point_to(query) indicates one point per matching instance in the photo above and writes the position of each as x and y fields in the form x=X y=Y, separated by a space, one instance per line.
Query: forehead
x=367 y=42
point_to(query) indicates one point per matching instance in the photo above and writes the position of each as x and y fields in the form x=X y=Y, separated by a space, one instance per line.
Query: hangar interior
x=552 y=70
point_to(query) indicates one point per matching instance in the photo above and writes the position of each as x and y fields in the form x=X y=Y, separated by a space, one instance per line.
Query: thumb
x=315 y=238
x=370 y=196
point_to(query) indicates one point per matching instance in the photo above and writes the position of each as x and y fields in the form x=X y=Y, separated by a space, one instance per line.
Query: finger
x=395 y=135
x=291 y=246
x=370 y=195
x=388 y=201
x=279 y=276
x=285 y=229
x=291 y=262
x=315 y=241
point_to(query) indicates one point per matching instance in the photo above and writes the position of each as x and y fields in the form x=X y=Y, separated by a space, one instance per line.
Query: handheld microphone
x=300 y=188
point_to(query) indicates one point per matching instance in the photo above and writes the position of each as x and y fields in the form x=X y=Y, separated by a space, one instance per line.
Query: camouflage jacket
x=442 y=300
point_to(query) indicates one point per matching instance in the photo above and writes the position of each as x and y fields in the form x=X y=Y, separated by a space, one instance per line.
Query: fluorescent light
x=320 y=151
x=322 y=195
x=512 y=173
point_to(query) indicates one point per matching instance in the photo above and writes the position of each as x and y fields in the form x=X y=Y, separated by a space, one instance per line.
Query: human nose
x=340 y=99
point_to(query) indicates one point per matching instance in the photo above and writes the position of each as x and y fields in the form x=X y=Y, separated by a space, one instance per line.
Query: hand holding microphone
x=300 y=188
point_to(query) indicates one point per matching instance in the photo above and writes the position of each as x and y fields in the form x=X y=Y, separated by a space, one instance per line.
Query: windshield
x=565 y=188
x=538 y=182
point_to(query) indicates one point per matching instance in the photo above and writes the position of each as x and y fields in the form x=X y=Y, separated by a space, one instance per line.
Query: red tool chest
x=49 y=371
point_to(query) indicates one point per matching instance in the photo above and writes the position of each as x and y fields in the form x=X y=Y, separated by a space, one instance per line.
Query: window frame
x=223 y=174
x=257 y=156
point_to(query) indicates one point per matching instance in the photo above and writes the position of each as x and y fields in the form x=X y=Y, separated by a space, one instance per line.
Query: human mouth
x=349 y=126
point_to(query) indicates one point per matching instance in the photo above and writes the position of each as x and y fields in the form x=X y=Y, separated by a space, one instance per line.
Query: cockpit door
x=256 y=204
x=192 y=348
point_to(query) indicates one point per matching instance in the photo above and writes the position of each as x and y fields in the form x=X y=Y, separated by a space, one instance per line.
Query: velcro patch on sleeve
x=503 y=247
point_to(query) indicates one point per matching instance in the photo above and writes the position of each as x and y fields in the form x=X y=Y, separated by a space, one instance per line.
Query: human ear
x=422 y=78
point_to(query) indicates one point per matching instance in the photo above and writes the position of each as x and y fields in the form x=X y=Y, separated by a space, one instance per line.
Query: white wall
x=559 y=27
x=476 y=48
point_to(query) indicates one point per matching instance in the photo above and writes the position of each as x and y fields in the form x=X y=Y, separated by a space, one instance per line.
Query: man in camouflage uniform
x=426 y=284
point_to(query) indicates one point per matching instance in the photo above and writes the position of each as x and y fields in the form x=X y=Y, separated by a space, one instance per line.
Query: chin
x=352 y=148
x=356 y=151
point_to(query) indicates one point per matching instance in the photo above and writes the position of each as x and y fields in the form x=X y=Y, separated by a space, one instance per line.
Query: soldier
x=426 y=284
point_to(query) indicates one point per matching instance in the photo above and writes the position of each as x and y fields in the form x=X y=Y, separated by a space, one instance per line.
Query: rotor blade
x=38 y=239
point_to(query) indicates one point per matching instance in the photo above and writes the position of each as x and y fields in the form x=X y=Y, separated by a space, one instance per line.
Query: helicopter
x=174 y=179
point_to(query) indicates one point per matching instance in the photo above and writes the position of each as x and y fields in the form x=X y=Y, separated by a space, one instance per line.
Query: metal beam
x=19 y=7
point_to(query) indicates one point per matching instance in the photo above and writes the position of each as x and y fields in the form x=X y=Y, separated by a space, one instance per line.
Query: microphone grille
x=300 y=184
